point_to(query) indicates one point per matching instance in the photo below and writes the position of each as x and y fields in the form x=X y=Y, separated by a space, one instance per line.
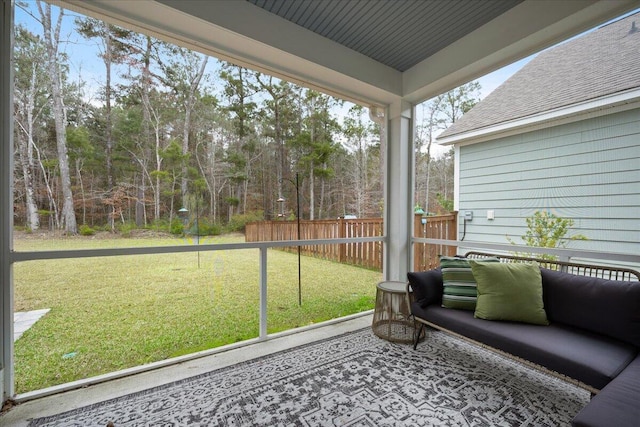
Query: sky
x=491 y=81
x=488 y=83
x=85 y=63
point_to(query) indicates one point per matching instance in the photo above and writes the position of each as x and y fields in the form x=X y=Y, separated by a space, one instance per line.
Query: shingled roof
x=602 y=62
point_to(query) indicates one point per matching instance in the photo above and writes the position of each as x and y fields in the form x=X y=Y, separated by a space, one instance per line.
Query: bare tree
x=52 y=41
x=439 y=113
x=30 y=101
x=112 y=50
x=184 y=75
x=358 y=135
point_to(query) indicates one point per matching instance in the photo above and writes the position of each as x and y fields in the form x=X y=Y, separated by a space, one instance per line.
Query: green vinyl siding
x=588 y=171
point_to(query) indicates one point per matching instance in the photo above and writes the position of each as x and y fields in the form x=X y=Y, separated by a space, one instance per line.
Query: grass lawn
x=112 y=313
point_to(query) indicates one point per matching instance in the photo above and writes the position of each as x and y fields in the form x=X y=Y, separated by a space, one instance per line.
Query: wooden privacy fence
x=426 y=256
x=364 y=254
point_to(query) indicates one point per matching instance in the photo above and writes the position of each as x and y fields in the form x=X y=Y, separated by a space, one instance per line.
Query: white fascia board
x=241 y=33
x=522 y=31
x=602 y=106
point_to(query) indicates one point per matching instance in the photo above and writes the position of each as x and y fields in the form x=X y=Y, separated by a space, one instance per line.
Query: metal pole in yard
x=298 y=218
x=280 y=199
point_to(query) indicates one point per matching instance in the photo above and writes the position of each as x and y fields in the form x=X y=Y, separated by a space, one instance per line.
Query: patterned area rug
x=356 y=379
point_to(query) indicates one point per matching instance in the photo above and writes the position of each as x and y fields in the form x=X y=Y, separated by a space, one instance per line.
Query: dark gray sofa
x=593 y=338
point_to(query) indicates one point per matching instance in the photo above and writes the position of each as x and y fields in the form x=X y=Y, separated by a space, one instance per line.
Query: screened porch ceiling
x=372 y=52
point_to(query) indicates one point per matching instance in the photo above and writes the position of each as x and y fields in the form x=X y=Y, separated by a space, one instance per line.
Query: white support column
x=6 y=200
x=398 y=191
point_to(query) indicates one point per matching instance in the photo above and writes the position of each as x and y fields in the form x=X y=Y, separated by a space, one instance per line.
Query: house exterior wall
x=588 y=171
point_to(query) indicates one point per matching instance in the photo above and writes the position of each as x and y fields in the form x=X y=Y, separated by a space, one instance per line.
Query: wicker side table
x=391 y=317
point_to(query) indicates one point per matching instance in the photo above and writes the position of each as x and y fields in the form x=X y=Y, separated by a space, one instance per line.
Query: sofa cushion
x=426 y=286
x=607 y=307
x=585 y=356
x=509 y=292
x=460 y=287
x=617 y=403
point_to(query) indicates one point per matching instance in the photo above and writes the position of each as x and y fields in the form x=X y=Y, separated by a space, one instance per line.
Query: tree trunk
x=245 y=190
x=311 y=192
x=322 y=184
x=108 y=137
x=211 y=167
x=157 y=192
x=26 y=145
x=139 y=209
x=185 y=151
x=52 y=38
x=33 y=218
x=53 y=206
x=156 y=202
x=189 y=104
x=155 y=122
x=146 y=137
x=82 y=195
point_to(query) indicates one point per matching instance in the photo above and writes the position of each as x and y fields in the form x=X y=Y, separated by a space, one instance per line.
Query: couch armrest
x=426 y=286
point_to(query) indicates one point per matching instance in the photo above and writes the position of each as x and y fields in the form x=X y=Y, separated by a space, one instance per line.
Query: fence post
x=342 y=233
x=418 y=248
x=454 y=232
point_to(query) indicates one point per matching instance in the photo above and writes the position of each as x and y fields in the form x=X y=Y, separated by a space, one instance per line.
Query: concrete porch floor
x=21 y=414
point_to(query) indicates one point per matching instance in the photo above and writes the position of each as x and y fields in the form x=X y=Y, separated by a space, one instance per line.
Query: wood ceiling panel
x=398 y=33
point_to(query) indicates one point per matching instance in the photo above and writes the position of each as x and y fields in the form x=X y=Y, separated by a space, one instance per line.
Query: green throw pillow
x=459 y=284
x=510 y=291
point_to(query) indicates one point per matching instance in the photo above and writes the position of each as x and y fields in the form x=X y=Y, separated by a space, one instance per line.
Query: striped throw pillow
x=460 y=287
